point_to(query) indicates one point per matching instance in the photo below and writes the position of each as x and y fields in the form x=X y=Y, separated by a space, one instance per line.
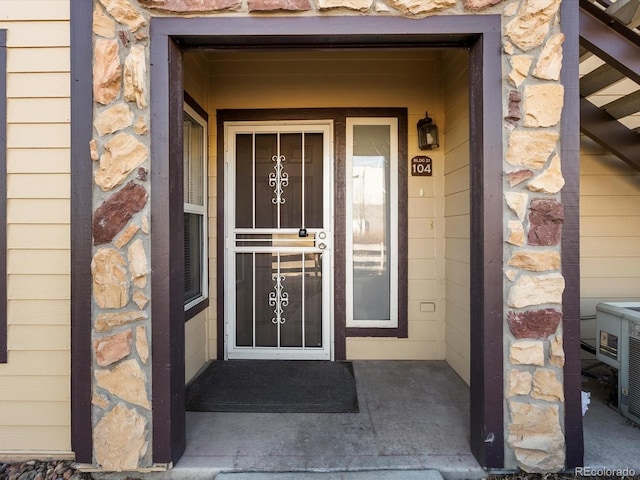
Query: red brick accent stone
x=514 y=114
x=275 y=5
x=545 y=222
x=116 y=211
x=190 y=6
x=534 y=324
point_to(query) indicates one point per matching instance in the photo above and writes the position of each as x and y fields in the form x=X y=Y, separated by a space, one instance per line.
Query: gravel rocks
x=35 y=470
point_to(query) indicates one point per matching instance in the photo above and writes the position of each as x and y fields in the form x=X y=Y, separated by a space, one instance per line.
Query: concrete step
x=360 y=475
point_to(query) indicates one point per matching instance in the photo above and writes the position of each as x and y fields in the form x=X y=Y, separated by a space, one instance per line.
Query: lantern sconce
x=427 y=133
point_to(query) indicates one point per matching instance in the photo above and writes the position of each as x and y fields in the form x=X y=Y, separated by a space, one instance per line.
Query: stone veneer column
x=122 y=406
x=534 y=395
x=533 y=100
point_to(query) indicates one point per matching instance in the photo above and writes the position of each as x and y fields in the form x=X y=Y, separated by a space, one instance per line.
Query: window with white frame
x=195 y=207
x=372 y=222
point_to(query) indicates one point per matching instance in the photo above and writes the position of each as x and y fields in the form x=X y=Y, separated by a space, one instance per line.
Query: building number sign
x=421 y=166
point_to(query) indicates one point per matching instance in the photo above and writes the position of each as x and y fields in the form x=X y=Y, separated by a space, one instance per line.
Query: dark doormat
x=274 y=386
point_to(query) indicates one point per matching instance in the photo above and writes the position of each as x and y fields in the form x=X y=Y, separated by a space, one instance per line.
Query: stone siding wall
x=533 y=100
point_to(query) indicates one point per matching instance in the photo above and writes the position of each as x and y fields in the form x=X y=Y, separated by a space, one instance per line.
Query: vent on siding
x=634 y=376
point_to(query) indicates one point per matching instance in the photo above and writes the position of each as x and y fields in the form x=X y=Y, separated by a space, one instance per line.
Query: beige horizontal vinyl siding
x=609 y=232
x=35 y=382
x=457 y=212
x=195 y=337
x=407 y=78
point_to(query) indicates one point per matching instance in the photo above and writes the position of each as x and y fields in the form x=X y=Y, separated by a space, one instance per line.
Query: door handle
x=322 y=246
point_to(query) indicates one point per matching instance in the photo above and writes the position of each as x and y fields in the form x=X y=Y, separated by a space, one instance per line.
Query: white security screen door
x=278 y=240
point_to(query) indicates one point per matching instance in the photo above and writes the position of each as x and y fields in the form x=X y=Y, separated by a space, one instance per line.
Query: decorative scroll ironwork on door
x=278 y=255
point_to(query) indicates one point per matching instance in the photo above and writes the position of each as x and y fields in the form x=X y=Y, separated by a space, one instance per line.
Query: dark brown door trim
x=487 y=299
x=480 y=33
x=167 y=281
x=338 y=115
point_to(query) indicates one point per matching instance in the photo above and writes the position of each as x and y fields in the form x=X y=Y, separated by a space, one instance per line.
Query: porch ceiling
x=610 y=76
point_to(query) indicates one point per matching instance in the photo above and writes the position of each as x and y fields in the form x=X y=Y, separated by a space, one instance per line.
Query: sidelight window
x=372 y=222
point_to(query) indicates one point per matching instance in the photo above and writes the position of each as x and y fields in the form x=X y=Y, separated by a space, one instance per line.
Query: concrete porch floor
x=414 y=416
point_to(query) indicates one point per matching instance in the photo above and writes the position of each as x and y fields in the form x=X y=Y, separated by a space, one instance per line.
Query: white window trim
x=201 y=209
x=393 y=210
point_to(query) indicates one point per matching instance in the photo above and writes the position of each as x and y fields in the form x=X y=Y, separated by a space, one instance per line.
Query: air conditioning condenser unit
x=618 y=345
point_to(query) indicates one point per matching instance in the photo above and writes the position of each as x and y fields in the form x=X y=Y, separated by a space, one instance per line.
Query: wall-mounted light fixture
x=427 y=133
